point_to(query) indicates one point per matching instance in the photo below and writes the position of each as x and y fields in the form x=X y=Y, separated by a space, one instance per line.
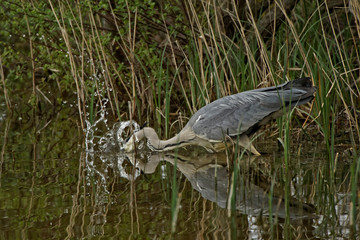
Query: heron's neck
x=155 y=144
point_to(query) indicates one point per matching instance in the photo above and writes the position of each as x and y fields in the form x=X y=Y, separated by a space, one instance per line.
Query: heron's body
x=235 y=116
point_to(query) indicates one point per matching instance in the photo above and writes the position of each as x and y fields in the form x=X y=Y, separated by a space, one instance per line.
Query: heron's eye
x=144 y=125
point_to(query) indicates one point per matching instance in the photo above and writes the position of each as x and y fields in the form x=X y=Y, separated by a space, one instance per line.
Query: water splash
x=104 y=157
x=91 y=132
x=91 y=129
x=115 y=138
x=109 y=150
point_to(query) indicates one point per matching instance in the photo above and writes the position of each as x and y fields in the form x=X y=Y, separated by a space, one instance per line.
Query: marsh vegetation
x=71 y=72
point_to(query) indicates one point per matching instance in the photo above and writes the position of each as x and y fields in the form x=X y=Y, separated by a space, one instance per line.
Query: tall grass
x=208 y=52
x=286 y=178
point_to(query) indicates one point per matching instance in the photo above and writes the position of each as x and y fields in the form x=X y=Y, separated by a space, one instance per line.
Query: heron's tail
x=304 y=84
x=295 y=92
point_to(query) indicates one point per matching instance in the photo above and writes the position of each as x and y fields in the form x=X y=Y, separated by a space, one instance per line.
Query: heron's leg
x=246 y=143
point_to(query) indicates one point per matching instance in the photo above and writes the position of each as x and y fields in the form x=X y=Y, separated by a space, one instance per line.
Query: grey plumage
x=244 y=112
x=240 y=115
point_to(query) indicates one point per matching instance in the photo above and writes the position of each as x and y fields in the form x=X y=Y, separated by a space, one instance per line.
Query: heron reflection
x=210 y=175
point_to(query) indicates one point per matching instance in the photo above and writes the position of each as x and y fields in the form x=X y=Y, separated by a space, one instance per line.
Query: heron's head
x=146 y=132
x=129 y=144
x=135 y=137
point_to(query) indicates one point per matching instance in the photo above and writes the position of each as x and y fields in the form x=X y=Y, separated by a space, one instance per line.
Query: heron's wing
x=236 y=114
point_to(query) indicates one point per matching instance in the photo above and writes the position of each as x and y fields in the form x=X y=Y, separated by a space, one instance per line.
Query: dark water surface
x=53 y=186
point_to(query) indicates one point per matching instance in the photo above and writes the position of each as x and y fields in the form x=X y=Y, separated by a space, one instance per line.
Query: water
x=54 y=185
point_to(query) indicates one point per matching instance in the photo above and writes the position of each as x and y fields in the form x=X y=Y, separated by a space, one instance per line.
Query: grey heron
x=236 y=116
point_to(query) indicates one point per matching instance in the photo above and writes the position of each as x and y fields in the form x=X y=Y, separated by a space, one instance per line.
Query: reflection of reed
x=76 y=207
x=5 y=137
x=97 y=199
x=133 y=206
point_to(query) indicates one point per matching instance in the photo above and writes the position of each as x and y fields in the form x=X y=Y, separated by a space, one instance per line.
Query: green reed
x=271 y=217
x=175 y=197
x=286 y=178
x=236 y=182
